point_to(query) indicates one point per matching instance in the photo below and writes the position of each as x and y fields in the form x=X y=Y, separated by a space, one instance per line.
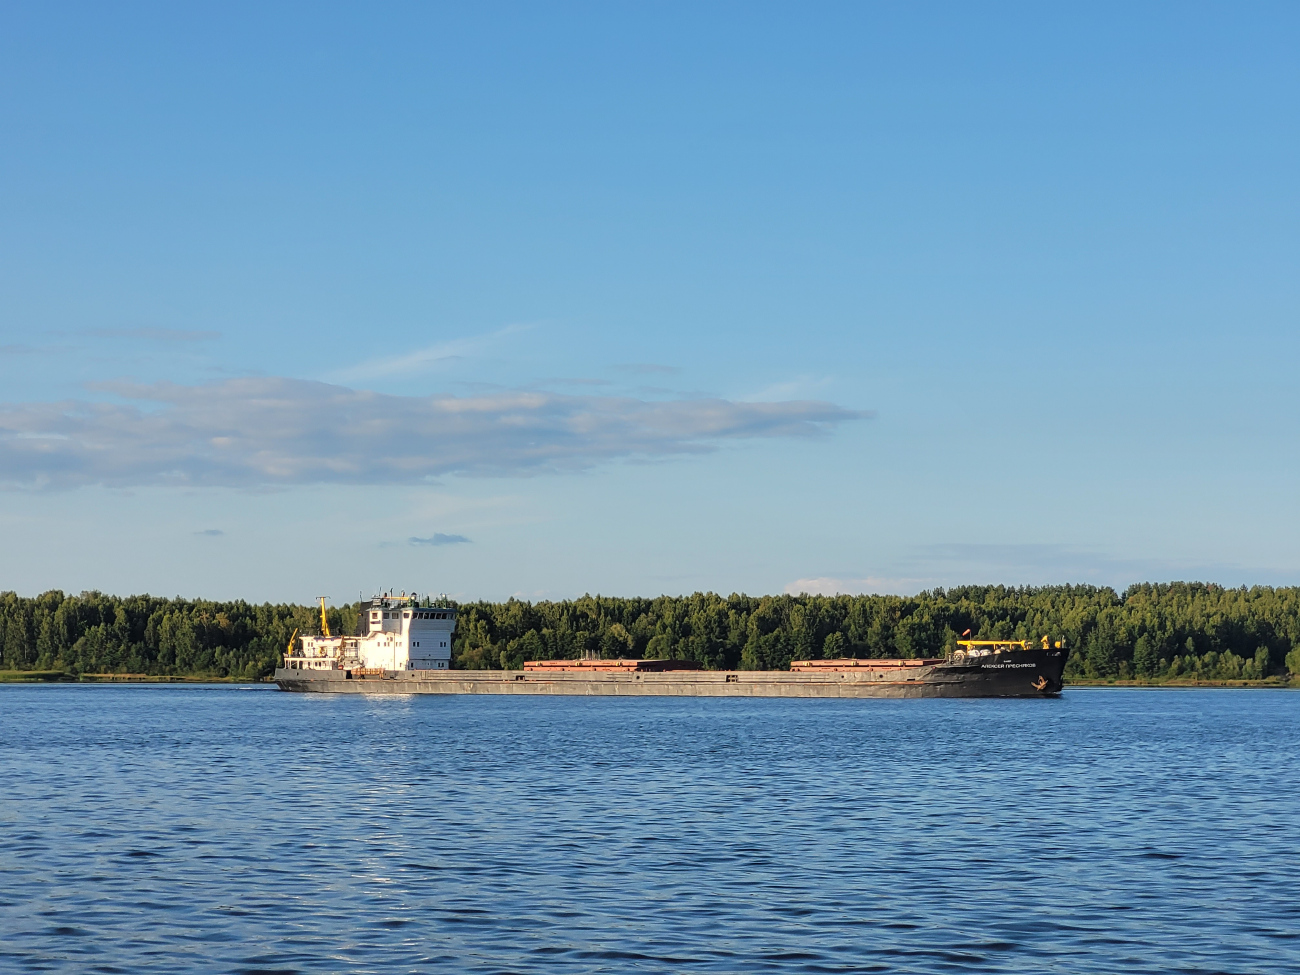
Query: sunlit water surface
x=225 y=829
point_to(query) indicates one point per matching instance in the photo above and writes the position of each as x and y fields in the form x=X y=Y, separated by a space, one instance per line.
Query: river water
x=239 y=829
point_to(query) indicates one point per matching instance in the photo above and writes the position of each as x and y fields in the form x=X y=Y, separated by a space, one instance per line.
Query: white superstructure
x=395 y=633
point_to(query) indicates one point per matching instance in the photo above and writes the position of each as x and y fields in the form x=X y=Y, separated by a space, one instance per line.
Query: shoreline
x=64 y=677
x=1276 y=683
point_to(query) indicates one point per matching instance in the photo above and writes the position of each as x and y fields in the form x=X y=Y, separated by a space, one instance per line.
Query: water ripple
x=214 y=829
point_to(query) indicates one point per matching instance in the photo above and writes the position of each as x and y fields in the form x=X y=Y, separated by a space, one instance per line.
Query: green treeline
x=97 y=634
x=1178 y=630
x=1182 y=629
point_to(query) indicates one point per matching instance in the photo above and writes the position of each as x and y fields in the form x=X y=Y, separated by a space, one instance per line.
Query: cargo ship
x=403 y=646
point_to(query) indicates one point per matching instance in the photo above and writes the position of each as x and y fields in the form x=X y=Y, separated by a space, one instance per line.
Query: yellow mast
x=324 y=623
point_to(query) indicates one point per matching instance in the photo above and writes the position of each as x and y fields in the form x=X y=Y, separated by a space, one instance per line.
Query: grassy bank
x=1273 y=682
x=64 y=677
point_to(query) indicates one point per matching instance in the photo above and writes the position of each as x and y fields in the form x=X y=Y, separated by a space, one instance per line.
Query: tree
x=1293 y=662
x=833 y=647
x=1146 y=659
x=616 y=642
x=17 y=643
x=1203 y=629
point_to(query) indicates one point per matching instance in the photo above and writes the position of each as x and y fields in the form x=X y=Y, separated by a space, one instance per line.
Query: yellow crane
x=1008 y=644
x=324 y=623
x=289 y=650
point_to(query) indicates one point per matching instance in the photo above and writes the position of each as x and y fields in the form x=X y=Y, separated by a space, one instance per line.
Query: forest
x=1154 y=631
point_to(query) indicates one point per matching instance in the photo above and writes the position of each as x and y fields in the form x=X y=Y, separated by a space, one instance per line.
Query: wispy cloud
x=1045 y=563
x=1021 y=562
x=132 y=341
x=438 y=538
x=795 y=386
x=211 y=532
x=1033 y=564
x=647 y=369
x=415 y=361
x=151 y=334
x=562 y=381
x=269 y=430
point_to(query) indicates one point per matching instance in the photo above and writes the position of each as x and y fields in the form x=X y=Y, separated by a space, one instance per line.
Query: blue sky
x=537 y=300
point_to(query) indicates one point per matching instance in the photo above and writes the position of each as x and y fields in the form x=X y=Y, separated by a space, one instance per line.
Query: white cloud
x=795 y=386
x=269 y=430
x=416 y=361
